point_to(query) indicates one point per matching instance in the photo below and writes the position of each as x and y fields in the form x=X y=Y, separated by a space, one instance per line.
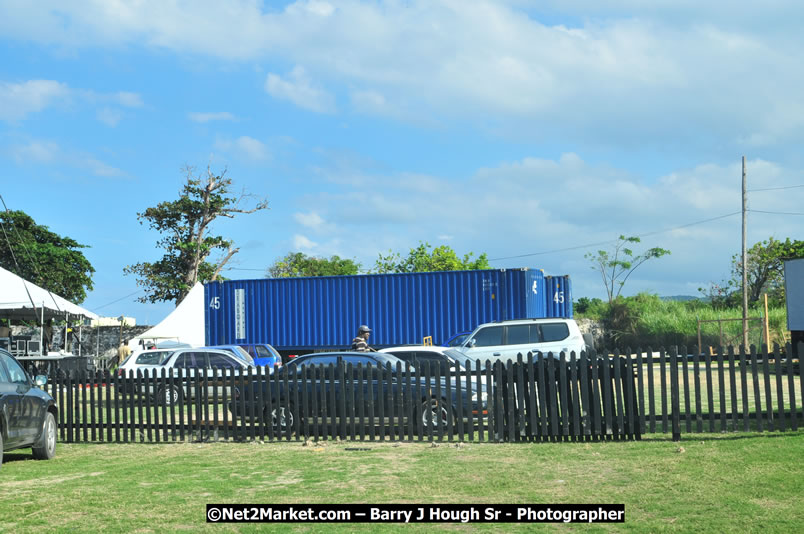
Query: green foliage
x=47 y=259
x=646 y=320
x=765 y=272
x=617 y=265
x=299 y=264
x=721 y=296
x=590 y=307
x=423 y=259
x=187 y=239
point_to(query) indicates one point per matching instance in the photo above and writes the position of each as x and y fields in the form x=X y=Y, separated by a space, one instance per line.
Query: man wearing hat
x=360 y=343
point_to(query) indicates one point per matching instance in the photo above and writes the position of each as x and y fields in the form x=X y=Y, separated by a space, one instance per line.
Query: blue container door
x=534 y=294
x=558 y=296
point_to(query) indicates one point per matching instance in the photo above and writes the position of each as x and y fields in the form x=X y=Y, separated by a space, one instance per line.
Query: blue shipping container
x=298 y=314
x=558 y=295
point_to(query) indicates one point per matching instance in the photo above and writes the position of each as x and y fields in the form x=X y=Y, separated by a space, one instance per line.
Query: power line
x=689 y=224
x=615 y=240
x=774 y=188
x=118 y=300
x=776 y=212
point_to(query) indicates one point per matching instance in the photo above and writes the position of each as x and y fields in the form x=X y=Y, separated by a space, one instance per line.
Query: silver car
x=184 y=365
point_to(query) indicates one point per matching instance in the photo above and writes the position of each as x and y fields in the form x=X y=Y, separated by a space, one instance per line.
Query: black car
x=438 y=412
x=27 y=414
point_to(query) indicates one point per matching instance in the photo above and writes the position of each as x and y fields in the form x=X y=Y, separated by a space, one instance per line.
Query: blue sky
x=512 y=128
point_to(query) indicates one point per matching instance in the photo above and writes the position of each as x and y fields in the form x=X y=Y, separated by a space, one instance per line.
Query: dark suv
x=27 y=414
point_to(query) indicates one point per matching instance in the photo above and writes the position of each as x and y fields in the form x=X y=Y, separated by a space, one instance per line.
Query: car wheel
x=169 y=396
x=282 y=419
x=436 y=413
x=48 y=448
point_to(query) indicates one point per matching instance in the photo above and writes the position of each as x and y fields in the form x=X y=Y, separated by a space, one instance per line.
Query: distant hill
x=680 y=298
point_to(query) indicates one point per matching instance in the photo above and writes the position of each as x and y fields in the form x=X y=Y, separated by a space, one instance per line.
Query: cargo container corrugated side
x=558 y=296
x=325 y=312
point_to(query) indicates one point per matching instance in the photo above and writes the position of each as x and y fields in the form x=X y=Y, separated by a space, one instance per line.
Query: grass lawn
x=705 y=483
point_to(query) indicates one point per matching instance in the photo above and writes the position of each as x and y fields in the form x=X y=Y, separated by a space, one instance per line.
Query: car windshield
x=458 y=339
x=459 y=357
x=237 y=350
x=153 y=357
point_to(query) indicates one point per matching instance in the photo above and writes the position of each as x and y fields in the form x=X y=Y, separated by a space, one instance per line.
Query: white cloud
x=613 y=72
x=41 y=152
x=131 y=100
x=109 y=116
x=210 y=116
x=547 y=213
x=299 y=89
x=17 y=100
x=35 y=152
x=321 y=9
x=244 y=146
x=310 y=220
x=302 y=243
x=100 y=168
x=253 y=148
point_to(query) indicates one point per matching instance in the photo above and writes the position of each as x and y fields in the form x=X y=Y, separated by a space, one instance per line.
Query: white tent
x=185 y=324
x=22 y=300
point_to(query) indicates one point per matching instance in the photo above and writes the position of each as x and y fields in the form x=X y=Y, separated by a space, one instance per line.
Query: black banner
x=415 y=513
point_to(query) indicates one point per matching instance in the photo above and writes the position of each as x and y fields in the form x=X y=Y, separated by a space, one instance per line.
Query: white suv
x=505 y=339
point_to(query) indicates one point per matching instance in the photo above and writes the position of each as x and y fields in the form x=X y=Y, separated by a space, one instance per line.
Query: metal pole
x=745 y=266
x=767 y=329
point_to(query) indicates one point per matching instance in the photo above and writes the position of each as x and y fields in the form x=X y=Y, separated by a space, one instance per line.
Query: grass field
x=705 y=483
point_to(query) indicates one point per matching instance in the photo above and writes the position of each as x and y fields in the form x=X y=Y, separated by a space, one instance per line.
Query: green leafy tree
x=187 y=236
x=299 y=264
x=587 y=306
x=765 y=272
x=615 y=266
x=721 y=296
x=425 y=258
x=45 y=258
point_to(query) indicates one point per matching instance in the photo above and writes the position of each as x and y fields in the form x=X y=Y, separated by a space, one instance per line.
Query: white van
x=505 y=339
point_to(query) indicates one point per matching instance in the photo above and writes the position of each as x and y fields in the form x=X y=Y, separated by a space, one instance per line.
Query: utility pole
x=745 y=266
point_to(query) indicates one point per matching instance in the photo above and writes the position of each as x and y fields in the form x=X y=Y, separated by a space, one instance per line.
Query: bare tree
x=187 y=237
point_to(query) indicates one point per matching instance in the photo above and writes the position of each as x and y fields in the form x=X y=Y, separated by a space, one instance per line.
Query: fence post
x=777 y=367
x=675 y=404
x=768 y=396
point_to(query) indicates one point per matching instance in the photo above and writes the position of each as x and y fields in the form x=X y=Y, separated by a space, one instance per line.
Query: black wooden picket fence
x=539 y=398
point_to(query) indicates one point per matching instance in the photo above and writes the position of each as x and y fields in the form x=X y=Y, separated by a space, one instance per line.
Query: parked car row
x=254 y=353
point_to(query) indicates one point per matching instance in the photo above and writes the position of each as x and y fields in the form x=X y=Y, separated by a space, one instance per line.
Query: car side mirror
x=471 y=343
x=40 y=380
